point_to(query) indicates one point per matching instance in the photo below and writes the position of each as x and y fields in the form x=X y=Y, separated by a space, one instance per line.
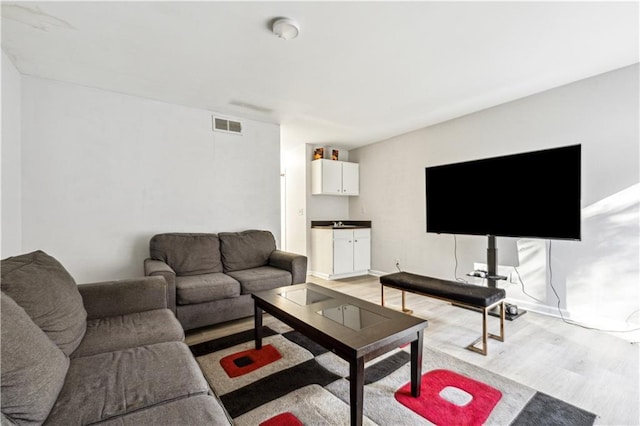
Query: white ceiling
x=359 y=72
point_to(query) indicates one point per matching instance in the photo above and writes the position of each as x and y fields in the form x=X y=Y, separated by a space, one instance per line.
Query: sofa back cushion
x=187 y=253
x=247 y=249
x=44 y=289
x=33 y=367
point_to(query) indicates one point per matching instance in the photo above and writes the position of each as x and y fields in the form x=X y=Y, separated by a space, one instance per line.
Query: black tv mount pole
x=493 y=277
x=492 y=262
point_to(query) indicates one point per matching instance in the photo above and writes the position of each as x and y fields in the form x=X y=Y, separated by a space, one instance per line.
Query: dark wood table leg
x=258 y=325
x=356 y=390
x=416 y=365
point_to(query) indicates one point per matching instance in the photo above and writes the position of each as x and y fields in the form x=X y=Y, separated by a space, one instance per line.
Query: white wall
x=11 y=230
x=103 y=172
x=601 y=113
x=295 y=199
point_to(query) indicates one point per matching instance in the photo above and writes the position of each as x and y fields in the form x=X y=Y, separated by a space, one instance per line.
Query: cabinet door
x=321 y=256
x=342 y=251
x=362 y=250
x=350 y=178
x=331 y=177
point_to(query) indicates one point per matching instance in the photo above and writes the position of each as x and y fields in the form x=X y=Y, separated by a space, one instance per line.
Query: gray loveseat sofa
x=106 y=353
x=211 y=276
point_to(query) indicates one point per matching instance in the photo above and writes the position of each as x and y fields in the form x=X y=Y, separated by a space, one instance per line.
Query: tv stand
x=507 y=315
x=492 y=261
x=492 y=277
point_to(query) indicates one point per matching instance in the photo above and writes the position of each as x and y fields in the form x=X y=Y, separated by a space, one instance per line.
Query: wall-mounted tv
x=534 y=195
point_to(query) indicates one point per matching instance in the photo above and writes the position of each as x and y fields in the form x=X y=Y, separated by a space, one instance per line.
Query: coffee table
x=352 y=328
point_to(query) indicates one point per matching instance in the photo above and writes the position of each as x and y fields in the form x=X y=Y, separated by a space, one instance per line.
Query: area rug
x=294 y=381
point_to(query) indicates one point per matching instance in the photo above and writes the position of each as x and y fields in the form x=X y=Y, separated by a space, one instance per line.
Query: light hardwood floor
x=593 y=370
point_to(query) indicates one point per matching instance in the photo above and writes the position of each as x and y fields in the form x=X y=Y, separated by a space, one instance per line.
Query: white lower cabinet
x=340 y=253
x=362 y=251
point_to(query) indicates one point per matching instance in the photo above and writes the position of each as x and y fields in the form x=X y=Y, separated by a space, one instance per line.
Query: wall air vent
x=227 y=126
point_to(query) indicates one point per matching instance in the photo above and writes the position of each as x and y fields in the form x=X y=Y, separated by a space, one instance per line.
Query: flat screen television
x=530 y=195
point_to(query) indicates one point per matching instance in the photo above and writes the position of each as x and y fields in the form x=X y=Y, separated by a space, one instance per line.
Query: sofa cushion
x=40 y=284
x=247 y=249
x=187 y=253
x=263 y=278
x=6 y=421
x=129 y=331
x=33 y=367
x=195 y=410
x=205 y=288
x=112 y=384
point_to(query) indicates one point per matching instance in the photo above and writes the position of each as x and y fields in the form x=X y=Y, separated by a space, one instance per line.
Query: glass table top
x=352 y=316
x=304 y=296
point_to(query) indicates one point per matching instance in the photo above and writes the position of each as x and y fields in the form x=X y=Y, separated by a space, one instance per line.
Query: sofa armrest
x=153 y=268
x=292 y=262
x=111 y=298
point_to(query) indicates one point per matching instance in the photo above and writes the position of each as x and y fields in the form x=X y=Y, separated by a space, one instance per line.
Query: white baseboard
x=319 y=275
x=338 y=276
x=541 y=309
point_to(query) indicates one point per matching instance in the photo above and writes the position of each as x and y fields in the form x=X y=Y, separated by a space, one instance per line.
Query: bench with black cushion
x=469 y=296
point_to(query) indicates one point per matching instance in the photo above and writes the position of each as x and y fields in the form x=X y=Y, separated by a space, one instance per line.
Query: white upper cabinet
x=350 y=178
x=331 y=177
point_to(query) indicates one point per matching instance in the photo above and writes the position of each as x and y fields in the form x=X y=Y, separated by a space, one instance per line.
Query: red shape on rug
x=282 y=419
x=244 y=362
x=440 y=411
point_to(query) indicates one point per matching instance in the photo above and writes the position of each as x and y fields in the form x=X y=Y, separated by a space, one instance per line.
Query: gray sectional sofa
x=106 y=353
x=211 y=276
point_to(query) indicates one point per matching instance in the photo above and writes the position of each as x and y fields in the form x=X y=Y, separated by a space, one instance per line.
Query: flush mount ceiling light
x=286 y=28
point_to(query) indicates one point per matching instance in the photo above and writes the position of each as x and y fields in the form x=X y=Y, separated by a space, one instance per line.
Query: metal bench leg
x=404 y=309
x=485 y=333
x=500 y=337
x=483 y=338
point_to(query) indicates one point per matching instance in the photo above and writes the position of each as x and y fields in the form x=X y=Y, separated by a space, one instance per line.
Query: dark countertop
x=347 y=224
